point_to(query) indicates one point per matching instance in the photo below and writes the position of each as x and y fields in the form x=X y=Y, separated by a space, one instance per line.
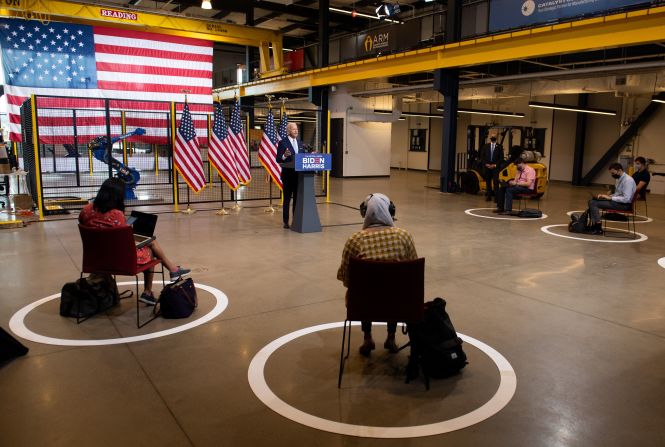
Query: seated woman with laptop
x=107 y=210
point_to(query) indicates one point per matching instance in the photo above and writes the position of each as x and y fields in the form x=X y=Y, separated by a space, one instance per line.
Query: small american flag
x=237 y=140
x=268 y=150
x=186 y=154
x=220 y=153
x=284 y=121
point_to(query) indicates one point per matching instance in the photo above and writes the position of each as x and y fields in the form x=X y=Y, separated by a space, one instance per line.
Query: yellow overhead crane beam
x=141 y=20
x=631 y=28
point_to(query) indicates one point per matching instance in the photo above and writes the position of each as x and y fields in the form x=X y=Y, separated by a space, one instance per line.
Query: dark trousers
x=491 y=180
x=504 y=200
x=595 y=205
x=367 y=327
x=290 y=184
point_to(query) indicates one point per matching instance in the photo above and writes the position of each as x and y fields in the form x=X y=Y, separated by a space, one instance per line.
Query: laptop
x=144 y=227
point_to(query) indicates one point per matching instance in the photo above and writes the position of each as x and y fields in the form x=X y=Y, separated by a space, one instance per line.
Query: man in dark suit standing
x=285 y=150
x=491 y=156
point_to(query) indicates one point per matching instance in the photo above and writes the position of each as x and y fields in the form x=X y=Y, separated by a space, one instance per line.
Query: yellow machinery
x=473 y=182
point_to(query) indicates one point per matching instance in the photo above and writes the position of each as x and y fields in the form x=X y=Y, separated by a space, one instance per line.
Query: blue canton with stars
x=236 y=123
x=282 y=124
x=186 y=128
x=57 y=55
x=269 y=128
x=219 y=126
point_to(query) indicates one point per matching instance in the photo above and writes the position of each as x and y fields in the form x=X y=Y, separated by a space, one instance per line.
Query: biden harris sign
x=508 y=14
x=313 y=162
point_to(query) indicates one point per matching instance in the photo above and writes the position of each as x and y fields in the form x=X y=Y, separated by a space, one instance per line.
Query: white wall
x=399 y=144
x=651 y=137
x=366 y=144
x=563 y=140
x=367 y=149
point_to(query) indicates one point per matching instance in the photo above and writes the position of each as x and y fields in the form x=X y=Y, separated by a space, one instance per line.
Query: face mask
x=616 y=175
x=638 y=167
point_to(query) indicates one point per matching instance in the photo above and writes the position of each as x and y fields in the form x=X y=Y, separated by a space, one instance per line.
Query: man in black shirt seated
x=641 y=177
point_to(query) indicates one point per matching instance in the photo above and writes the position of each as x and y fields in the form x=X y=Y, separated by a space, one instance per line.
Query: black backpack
x=435 y=346
x=96 y=293
x=579 y=222
x=530 y=213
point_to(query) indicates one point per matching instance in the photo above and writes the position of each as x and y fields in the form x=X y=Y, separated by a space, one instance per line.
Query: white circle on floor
x=257 y=382
x=608 y=240
x=661 y=262
x=471 y=212
x=646 y=218
x=18 y=327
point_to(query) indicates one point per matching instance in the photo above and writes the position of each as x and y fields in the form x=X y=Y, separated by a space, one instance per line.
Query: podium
x=306 y=216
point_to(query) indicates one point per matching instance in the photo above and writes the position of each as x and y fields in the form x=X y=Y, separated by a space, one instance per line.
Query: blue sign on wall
x=313 y=162
x=508 y=14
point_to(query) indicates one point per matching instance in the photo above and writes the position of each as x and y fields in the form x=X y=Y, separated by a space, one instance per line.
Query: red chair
x=113 y=251
x=382 y=291
x=531 y=195
x=630 y=215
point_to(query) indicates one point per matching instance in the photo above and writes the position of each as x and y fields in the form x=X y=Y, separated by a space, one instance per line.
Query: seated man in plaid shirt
x=380 y=240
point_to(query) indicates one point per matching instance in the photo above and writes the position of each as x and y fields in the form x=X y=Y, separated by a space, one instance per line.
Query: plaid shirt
x=390 y=244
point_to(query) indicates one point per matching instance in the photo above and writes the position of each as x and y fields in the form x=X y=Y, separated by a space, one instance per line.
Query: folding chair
x=630 y=215
x=522 y=198
x=113 y=251
x=382 y=291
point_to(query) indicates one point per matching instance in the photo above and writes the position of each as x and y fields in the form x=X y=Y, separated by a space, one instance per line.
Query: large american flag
x=220 y=152
x=186 y=153
x=268 y=150
x=140 y=71
x=237 y=141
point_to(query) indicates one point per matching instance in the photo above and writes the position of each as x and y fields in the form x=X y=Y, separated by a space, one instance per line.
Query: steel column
x=580 y=139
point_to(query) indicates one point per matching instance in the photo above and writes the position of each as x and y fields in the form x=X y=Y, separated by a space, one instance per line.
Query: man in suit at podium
x=491 y=156
x=285 y=150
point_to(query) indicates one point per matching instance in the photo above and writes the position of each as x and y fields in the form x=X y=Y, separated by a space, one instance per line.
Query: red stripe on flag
x=148 y=52
x=143 y=35
x=147 y=69
x=155 y=88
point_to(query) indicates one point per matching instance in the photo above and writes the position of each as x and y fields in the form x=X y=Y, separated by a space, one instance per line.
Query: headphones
x=363 y=207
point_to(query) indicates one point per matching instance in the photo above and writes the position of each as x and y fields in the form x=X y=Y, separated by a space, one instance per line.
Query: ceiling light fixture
x=486 y=112
x=355 y=13
x=546 y=105
x=205 y=4
x=403 y=114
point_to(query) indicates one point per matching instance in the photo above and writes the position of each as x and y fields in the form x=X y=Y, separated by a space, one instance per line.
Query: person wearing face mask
x=491 y=156
x=379 y=240
x=641 y=177
x=523 y=183
x=624 y=190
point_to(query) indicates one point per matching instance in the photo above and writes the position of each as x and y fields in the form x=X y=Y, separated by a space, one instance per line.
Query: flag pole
x=188 y=210
x=270 y=208
x=223 y=211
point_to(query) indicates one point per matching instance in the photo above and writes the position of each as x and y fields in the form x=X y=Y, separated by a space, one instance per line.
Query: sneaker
x=147 y=299
x=178 y=273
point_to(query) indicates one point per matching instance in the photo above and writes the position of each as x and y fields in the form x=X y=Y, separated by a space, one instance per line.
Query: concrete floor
x=582 y=323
